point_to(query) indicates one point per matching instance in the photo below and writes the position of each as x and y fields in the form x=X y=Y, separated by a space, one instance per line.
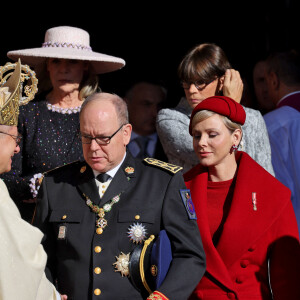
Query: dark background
x=152 y=37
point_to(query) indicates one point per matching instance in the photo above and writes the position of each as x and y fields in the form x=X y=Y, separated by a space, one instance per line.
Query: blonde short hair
x=205 y=114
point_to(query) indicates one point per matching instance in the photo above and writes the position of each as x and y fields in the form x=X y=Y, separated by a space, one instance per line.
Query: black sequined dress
x=50 y=139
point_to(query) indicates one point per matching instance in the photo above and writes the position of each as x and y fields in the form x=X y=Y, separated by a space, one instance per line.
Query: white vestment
x=22 y=257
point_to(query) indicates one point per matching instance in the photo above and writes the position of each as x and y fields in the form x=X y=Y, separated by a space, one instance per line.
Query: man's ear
x=273 y=80
x=127 y=129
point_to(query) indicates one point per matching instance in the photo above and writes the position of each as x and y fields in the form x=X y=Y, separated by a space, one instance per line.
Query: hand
x=233 y=85
x=63 y=297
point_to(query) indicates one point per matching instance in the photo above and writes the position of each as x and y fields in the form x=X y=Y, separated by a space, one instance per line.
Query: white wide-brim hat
x=67 y=42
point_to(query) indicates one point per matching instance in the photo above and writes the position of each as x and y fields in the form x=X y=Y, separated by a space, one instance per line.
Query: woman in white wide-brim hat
x=66 y=68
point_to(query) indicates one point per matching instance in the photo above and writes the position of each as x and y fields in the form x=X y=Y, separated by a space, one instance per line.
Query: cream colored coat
x=22 y=257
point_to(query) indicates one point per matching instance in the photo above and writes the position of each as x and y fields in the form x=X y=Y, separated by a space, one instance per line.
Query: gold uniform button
x=97 y=292
x=137 y=217
x=98 y=249
x=64 y=217
x=97 y=270
x=99 y=230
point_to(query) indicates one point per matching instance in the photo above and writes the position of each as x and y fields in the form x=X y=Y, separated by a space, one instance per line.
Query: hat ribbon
x=65 y=45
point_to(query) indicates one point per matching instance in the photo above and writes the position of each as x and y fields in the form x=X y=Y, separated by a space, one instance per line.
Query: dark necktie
x=103 y=177
x=142 y=141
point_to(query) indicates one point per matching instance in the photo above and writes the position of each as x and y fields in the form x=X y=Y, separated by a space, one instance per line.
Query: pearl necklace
x=69 y=110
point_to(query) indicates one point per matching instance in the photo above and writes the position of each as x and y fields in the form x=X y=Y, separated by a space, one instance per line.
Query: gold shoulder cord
x=170 y=167
x=142 y=272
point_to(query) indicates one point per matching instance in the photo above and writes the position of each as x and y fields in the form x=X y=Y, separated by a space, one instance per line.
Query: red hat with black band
x=222 y=105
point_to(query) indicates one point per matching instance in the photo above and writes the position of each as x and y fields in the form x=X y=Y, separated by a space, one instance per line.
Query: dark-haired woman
x=204 y=72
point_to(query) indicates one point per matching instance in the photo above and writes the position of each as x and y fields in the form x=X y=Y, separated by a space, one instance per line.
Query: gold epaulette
x=155 y=162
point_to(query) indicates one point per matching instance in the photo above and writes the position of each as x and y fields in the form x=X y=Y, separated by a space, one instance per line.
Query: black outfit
x=148 y=191
x=50 y=139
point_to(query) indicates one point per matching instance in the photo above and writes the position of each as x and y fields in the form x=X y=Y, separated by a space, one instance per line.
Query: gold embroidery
x=157 y=296
x=155 y=162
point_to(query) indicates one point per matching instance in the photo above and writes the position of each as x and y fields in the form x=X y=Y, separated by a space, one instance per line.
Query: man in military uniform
x=92 y=224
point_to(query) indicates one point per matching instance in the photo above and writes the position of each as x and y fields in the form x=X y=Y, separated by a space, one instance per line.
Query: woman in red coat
x=245 y=216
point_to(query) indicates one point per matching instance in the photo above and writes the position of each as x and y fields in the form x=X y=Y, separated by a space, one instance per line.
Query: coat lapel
x=87 y=185
x=245 y=225
x=215 y=264
x=121 y=181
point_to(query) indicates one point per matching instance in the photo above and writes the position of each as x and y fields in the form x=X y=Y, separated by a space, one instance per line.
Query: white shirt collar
x=113 y=171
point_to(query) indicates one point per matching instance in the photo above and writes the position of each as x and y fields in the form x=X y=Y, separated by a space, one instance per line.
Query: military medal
x=101 y=222
x=62 y=230
x=122 y=263
x=137 y=233
x=254 y=201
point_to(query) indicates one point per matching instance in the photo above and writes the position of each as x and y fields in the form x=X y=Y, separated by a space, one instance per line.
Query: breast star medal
x=122 y=263
x=137 y=233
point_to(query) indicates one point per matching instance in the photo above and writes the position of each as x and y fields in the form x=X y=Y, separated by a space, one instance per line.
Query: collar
x=284 y=97
x=113 y=171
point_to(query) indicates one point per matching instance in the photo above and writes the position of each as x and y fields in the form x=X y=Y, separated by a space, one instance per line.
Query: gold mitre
x=12 y=78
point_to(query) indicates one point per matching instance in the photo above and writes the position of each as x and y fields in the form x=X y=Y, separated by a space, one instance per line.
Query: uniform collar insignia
x=83 y=169
x=129 y=170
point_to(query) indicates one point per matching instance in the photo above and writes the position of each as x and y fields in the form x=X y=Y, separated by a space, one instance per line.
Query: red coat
x=238 y=267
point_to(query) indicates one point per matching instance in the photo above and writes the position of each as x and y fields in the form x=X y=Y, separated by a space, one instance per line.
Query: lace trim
x=66 y=45
x=35 y=183
x=69 y=110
